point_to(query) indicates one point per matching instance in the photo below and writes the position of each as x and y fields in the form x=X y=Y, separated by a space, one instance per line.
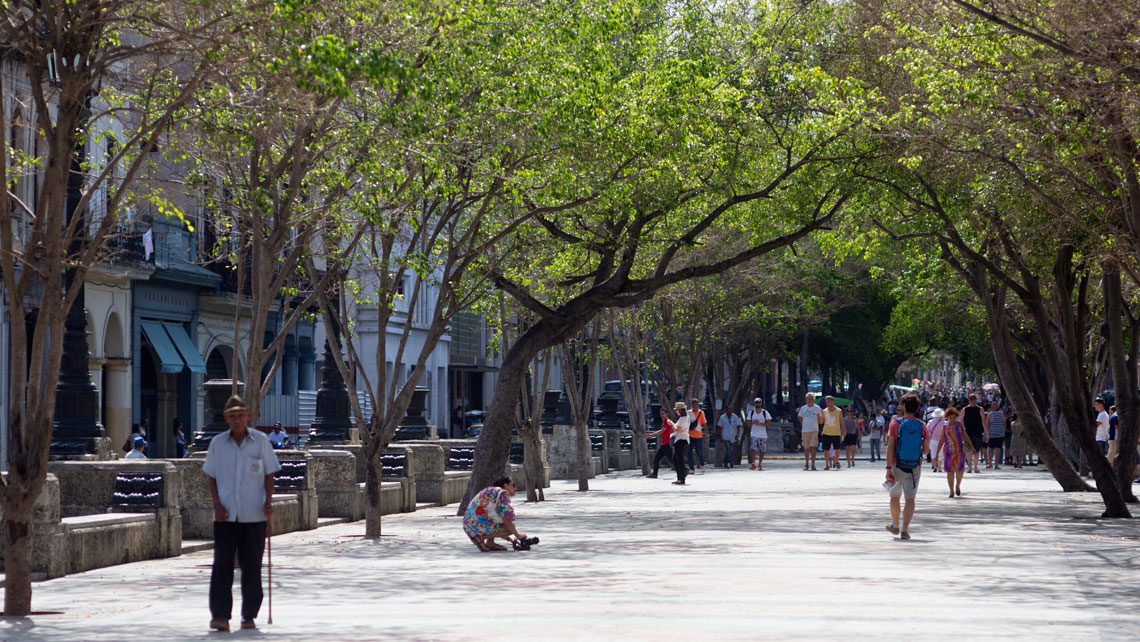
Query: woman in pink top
x=936 y=425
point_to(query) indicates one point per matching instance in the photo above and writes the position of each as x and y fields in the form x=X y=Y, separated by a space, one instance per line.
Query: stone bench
x=116 y=512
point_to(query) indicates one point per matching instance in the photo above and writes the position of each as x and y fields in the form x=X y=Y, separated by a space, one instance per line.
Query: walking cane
x=269 y=550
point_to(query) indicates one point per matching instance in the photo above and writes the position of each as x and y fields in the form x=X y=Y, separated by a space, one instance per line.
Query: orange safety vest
x=699 y=422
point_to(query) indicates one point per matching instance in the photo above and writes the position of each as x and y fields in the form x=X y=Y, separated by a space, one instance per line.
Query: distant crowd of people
x=955 y=433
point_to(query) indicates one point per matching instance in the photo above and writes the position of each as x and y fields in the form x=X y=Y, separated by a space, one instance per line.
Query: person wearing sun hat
x=681 y=442
x=240 y=464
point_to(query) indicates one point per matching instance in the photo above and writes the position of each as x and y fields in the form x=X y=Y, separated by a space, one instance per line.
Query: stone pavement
x=735 y=555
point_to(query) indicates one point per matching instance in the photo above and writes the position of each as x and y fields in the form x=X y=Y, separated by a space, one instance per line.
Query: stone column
x=306 y=370
x=289 y=370
x=117 y=412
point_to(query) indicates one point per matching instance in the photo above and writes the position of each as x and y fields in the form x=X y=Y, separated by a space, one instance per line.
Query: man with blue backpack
x=907 y=442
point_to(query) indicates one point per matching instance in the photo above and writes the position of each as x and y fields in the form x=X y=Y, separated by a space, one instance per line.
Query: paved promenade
x=735 y=555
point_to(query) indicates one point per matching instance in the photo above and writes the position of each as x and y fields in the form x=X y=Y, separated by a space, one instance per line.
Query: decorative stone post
x=76 y=431
x=563 y=418
x=217 y=392
x=414 y=425
x=549 y=410
x=609 y=418
x=334 y=421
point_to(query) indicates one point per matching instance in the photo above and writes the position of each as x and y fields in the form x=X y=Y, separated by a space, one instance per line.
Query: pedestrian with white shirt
x=681 y=442
x=758 y=420
x=1102 y=426
x=730 y=432
x=240 y=464
x=811 y=416
x=138 y=451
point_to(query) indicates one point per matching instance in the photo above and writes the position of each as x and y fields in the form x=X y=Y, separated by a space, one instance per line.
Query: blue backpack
x=908 y=446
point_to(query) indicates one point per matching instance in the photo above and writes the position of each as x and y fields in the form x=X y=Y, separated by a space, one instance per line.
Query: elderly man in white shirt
x=240 y=464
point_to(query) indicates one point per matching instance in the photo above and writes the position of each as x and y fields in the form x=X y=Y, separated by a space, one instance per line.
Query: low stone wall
x=194 y=499
x=334 y=478
x=49 y=548
x=562 y=454
x=99 y=538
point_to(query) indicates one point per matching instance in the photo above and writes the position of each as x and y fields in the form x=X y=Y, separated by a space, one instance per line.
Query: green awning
x=186 y=347
x=160 y=341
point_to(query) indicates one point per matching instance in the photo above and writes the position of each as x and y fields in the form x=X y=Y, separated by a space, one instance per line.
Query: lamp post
x=76 y=430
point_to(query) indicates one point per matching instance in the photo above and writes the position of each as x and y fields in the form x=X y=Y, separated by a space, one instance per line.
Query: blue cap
x=139 y=441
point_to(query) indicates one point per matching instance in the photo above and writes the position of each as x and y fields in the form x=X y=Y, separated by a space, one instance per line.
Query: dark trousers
x=664 y=451
x=679 y=449
x=247 y=541
x=696 y=446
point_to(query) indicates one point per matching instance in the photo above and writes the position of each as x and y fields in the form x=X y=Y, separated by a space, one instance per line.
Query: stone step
x=195 y=545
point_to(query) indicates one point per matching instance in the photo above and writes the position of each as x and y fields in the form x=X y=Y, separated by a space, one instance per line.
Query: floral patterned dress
x=954 y=459
x=486 y=512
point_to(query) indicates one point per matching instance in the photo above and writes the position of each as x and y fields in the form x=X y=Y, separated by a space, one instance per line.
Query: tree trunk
x=18 y=538
x=1001 y=343
x=582 y=431
x=372 y=513
x=1124 y=374
x=534 y=460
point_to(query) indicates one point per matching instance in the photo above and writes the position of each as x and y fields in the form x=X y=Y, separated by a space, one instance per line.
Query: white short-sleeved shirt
x=809 y=417
x=729 y=424
x=759 y=431
x=1102 y=422
x=683 y=422
x=240 y=473
x=135 y=454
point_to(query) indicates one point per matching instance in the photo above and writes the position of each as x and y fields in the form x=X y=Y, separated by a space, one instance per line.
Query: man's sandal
x=893 y=529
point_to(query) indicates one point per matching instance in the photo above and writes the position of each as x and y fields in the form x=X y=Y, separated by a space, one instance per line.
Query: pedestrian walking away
x=832 y=438
x=907 y=444
x=697 y=423
x=240 y=464
x=995 y=426
x=850 y=435
x=811 y=416
x=665 y=442
x=730 y=433
x=936 y=425
x=972 y=421
x=758 y=420
x=680 y=442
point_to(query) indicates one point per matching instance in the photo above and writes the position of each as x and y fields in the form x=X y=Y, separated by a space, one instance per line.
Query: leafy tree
x=96 y=71
x=714 y=117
